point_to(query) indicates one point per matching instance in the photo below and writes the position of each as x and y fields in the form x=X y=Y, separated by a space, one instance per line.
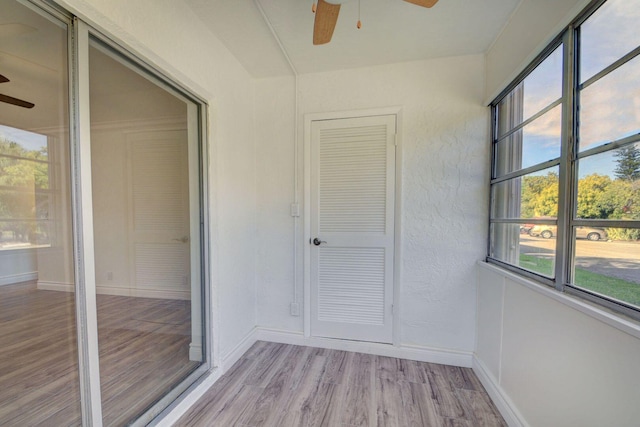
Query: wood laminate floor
x=285 y=385
x=143 y=352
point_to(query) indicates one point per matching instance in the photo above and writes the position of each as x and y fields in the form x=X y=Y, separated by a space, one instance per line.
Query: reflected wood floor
x=285 y=385
x=143 y=352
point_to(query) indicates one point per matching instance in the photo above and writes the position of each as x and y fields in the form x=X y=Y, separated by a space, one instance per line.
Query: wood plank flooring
x=143 y=352
x=285 y=385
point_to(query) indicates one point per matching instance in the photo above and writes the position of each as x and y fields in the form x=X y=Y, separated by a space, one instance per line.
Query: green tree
x=622 y=200
x=539 y=195
x=591 y=191
x=628 y=163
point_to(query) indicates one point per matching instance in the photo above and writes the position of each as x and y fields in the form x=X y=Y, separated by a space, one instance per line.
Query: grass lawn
x=616 y=288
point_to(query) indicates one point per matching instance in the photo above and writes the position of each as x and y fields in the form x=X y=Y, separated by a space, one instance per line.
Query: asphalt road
x=615 y=259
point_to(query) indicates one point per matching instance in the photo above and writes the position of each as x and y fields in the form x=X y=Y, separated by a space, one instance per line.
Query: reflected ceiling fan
x=327 y=16
x=11 y=100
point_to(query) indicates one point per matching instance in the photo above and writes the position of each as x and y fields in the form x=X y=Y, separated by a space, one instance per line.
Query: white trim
x=507 y=409
x=308 y=119
x=13 y=279
x=610 y=318
x=195 y=352
x=397 y=250
x=122 y=291
x=240 y=349
x=190 y=399
x=402 y=351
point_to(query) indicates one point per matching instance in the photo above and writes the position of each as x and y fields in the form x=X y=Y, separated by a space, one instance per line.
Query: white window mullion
x=85 y=289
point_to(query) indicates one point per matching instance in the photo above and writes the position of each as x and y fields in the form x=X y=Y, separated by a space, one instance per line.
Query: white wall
x=18 y=266
x=557 y=365
x=531 y=27
x=444 y=201
x=173 y=38
x=275 y=121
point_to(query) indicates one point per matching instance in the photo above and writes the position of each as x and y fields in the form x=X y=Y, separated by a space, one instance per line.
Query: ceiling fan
x=11 y=100
x=327 y=16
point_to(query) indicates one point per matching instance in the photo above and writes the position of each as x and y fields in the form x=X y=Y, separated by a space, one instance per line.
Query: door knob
x=183 y=239
x=318 y=242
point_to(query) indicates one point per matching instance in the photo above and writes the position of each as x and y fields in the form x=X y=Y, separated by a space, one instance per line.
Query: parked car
x=549 y=231
x=526 y=228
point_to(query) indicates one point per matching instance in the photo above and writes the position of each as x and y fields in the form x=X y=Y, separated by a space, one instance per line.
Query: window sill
x=602 y=314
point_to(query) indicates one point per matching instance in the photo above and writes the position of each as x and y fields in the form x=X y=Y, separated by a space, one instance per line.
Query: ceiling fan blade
x=3 y=79
x=423 y=3
x=325 y=22
x=16 y=101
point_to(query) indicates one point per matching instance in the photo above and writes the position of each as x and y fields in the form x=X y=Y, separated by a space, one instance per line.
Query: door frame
x=397 y=270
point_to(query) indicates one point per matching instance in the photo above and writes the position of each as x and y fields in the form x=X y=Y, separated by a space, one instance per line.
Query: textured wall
x=173 y=38
x=275 y=119
x=444 y=202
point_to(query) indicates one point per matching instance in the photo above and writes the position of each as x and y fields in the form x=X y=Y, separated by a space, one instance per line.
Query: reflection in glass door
x=146 y=217
x=118 y=194
x=39 y=381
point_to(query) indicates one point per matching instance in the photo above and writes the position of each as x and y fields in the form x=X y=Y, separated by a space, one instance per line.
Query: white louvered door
x=160 y=214
x=352 y=214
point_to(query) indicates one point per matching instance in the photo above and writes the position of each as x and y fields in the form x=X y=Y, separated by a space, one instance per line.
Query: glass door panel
x=39 y=382
x=146 y=217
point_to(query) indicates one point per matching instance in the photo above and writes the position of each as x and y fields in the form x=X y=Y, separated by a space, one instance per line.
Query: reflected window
x=26 y=199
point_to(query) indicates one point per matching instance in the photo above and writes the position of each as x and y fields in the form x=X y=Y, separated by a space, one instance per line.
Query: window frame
x=570 y=155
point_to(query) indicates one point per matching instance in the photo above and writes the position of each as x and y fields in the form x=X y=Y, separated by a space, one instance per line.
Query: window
x=26 y=199
x=565 y=183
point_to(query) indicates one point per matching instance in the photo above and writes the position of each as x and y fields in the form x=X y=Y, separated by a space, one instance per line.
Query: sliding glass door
x=145 y=172
x=102 y=225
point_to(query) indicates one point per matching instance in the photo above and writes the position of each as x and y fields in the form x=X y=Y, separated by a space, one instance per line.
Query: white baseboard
x=504 y=404
x=423 y=354
x=121 y=291
x=241 y=348
x=55 y=286
x=13 y=279
x=195 y=352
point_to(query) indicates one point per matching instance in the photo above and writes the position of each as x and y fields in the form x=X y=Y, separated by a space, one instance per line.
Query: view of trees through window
x=24 y=190
x=599 y=196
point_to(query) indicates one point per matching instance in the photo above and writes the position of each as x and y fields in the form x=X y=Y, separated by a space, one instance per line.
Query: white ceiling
x=392 y=31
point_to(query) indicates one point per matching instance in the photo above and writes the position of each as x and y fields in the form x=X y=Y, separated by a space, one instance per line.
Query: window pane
x=540 y=88
x=609 y=185
x=39 y=382
x=608 y=262
x=511 y=244
x=536 y=143
x=530 y=196
x=609 y=34
x=610 y=108
x=145 y=172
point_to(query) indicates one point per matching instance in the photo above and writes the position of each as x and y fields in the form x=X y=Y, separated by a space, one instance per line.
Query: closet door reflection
x=39 y=382
x=146 y=231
